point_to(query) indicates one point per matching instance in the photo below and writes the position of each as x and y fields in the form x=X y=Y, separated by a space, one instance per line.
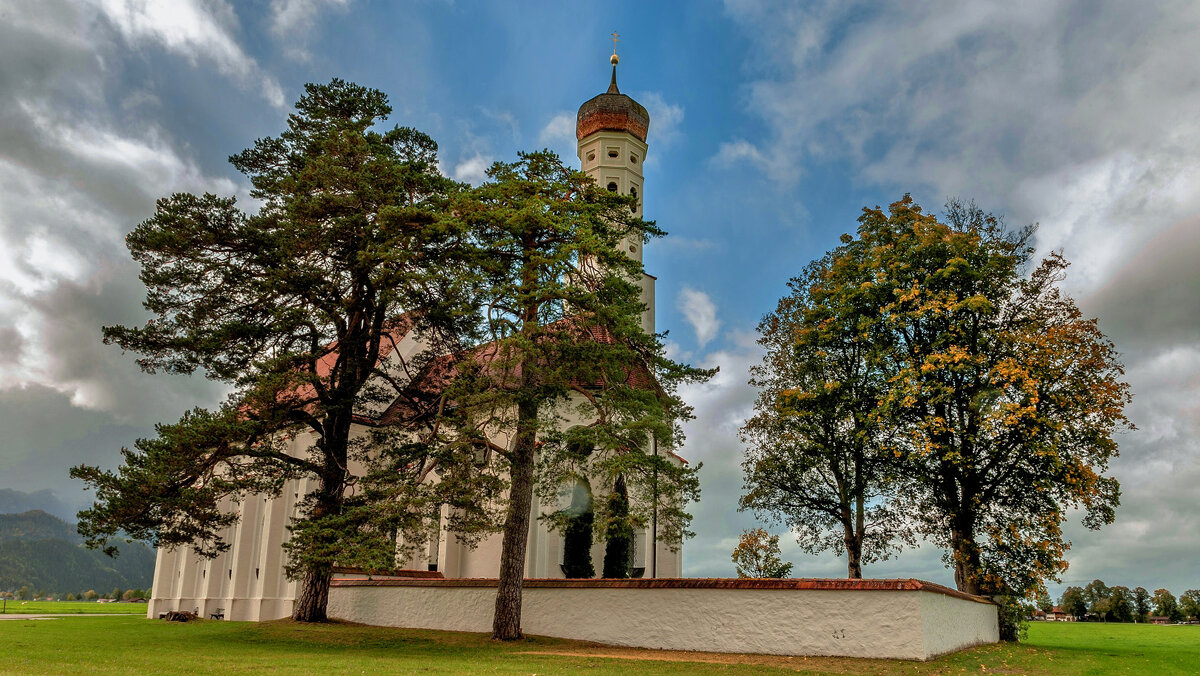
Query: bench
x=219 y=615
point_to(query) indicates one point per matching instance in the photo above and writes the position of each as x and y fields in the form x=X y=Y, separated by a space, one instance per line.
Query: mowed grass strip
x=72 y=607
x=69 y=646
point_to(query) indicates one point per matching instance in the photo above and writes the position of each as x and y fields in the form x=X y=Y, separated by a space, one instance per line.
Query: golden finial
x=616 y=37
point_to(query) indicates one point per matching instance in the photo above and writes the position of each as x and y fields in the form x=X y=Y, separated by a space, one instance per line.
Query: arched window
x=633 y=191
x=577 y=535
x=612 y=186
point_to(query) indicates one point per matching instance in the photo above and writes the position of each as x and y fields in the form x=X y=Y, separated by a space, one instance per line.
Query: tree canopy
x=757 y=555
x=294 y=306
x=817 y=457
x=567 y=370
x=993 y=400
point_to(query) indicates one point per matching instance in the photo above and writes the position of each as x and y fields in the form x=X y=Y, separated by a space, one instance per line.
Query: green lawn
x=72 y=607
x=69 y=646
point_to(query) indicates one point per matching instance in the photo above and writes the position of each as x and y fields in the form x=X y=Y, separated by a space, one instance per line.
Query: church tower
x=611 y=130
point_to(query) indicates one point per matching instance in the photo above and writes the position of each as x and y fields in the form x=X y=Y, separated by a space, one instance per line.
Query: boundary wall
x=904 y=618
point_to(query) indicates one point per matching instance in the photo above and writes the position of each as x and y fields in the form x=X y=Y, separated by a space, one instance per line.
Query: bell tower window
x=612 y=186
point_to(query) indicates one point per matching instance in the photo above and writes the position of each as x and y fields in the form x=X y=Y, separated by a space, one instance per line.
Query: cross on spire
x=616 y=37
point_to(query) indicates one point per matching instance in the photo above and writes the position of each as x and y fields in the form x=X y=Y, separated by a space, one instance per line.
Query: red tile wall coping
x=407 y=574
x=823 y=584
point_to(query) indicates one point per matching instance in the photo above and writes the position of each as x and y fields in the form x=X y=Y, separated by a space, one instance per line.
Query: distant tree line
x=25 y=593
x=1099 y=602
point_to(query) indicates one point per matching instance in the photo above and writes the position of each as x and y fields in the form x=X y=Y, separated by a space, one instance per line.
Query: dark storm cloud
x=45 y=434
x=83 y=155
x=1152 y=301
x=10 y=345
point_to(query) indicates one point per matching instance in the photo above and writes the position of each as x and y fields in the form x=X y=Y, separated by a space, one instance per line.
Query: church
x=247 y=582
x=446 y=585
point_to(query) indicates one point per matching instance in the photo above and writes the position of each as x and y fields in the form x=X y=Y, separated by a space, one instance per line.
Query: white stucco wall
x=855 y=623
x=950 y=624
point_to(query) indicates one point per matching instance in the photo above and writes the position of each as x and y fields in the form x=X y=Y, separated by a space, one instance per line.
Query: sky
x=772 y=126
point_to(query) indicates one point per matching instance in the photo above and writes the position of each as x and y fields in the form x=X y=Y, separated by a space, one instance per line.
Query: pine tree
x=292 y=306
x=562 y=309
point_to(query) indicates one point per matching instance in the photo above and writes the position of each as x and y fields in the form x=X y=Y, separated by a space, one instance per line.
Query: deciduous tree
x=1141 y=604
x=818 y=456
x=1189 y=604
x=1007 y=396
x=1165 y=605
x=1044 y=603
x=1098 y=597
x=757 y=555
x=292 y=306
x=1073 y=602
x=1120 y=606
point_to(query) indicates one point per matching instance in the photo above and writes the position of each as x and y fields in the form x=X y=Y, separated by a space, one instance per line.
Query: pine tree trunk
x=506 y=624
x=313 y=601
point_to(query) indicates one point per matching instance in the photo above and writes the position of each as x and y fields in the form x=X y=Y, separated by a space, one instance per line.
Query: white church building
x=247 y=582
x=448 y=585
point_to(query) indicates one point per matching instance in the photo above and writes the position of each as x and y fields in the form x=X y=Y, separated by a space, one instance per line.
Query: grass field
x=75 y=646
x=72 y=607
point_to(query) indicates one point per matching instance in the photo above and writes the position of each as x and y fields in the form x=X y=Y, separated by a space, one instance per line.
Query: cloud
x=559 y=135
x=665 y=118
x=72 y=184
x=1025 y=107
x=194 y=30
x=294 y=19
x=1030 y=109
x=699 y=311
x=10 y=345
x=730 y=154
x=472 y=170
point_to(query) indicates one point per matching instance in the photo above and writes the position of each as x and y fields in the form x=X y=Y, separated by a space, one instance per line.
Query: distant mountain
x=36 y=525
x=14 y=502
x=44 y=552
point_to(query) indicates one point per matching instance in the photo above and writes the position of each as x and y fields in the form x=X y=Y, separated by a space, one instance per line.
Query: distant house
x=1038 y=614
x=1158 y=619
x=1057 y=614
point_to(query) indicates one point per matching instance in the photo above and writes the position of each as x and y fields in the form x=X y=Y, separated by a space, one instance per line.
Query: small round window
x=633 y=159
x=591 y=157
x=578 y=443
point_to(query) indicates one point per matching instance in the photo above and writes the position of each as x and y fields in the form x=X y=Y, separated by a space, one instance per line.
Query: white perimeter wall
x=902 y=624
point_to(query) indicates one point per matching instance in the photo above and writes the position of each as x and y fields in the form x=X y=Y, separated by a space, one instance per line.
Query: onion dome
x=612 y=111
